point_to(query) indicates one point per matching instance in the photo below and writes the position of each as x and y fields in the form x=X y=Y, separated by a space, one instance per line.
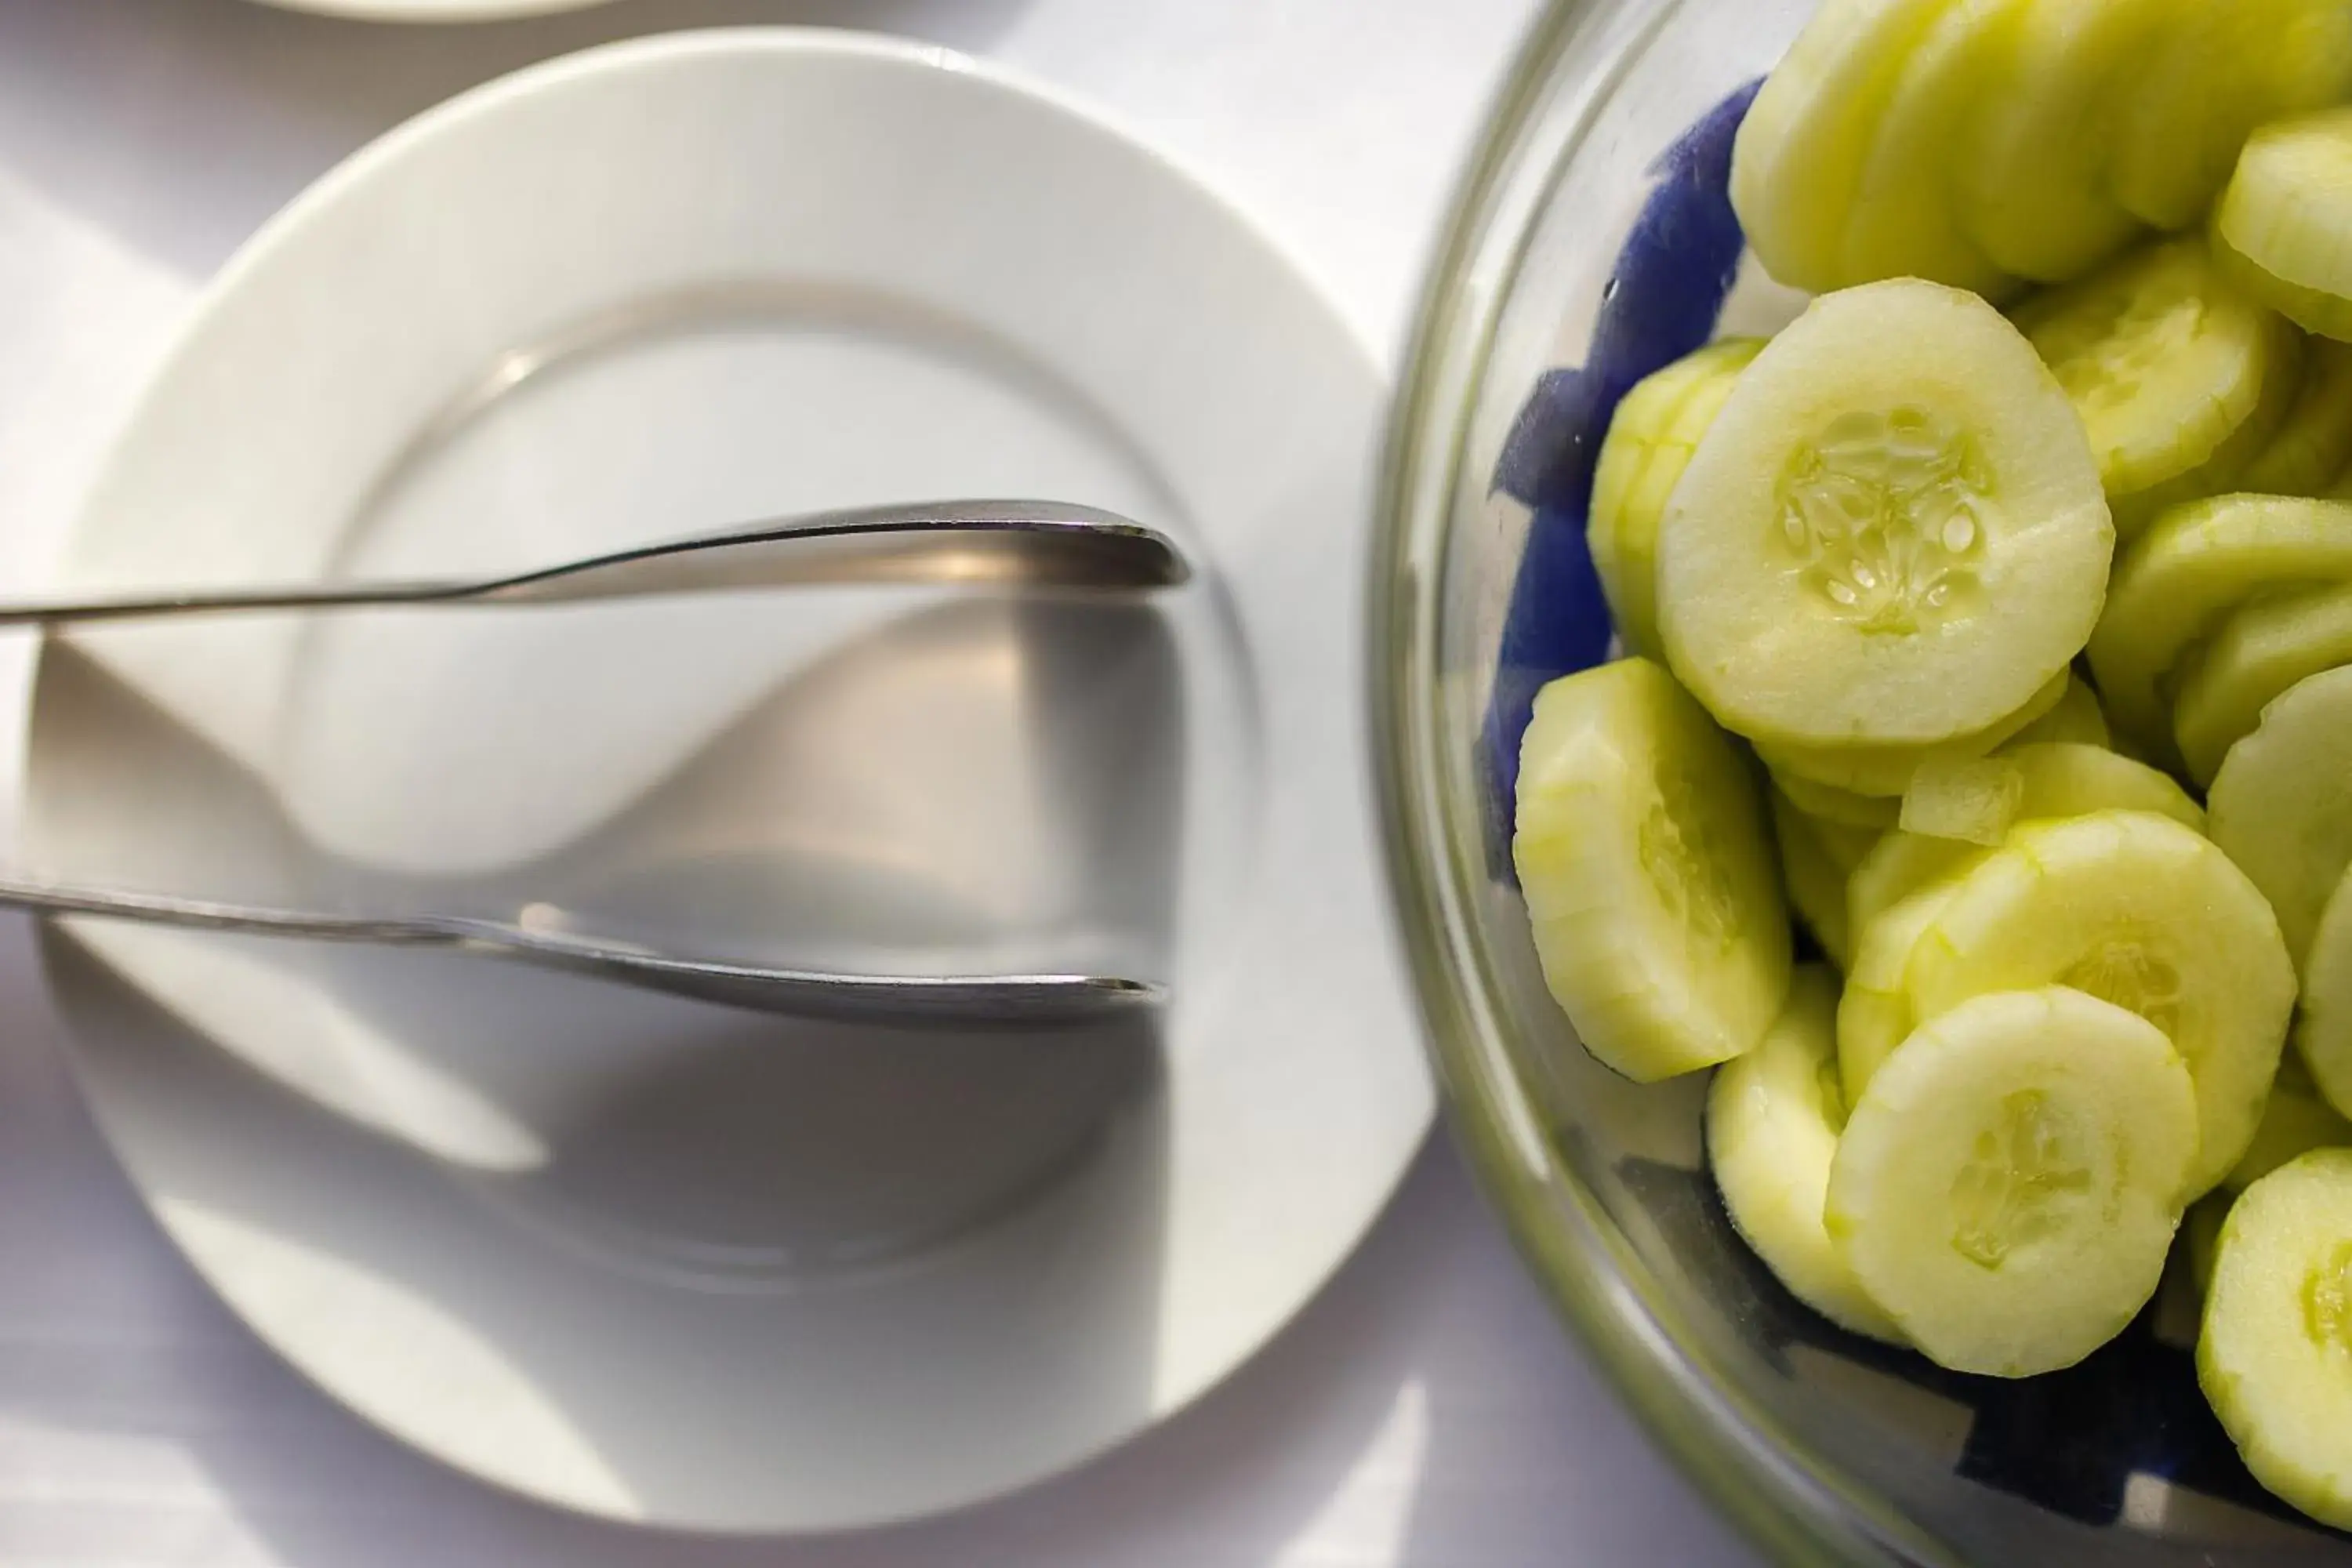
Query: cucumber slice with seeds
x=2286 y=220
x=1772 y=1121
x=2139 y=910
x=1932 y=547
x=2008 y=1188
x=2032 y=165
x=1642 y=851
x=2324 y=1032
x=2220 y=69
x=2164 y=360
x=1888 y=770
x=2275 y=1357
x=1798 y=159
x=2258 y=652
x=2280 y=806
x=1902 y=222
x=2199 y=562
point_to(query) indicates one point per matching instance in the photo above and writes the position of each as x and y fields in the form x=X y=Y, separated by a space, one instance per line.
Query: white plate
x=433 y=10
x=678 y=1264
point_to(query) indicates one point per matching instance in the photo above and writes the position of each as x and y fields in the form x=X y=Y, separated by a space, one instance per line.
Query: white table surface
x=1426 y=1410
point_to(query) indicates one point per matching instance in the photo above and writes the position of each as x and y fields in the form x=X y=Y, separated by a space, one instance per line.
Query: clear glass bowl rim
x=1796 y=1510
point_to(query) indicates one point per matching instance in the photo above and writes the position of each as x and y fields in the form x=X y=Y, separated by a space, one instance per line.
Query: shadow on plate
x=517 y=1179
x=590 y=1356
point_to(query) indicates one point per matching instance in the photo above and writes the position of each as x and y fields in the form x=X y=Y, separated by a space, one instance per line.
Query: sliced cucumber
x=1798 y=160
x=1900 y=865
x=1716 y=370
x=1876 y=1016
x=1844 y=807
x=2220 y=69
x=1902 y=222
x=2032 y=165
x=2197 y=563
x=1772 y=1121
x=2164 y=360
x=2008 y=1188
x=2222 y=473
x=2324 y=1032
x=2077 y=719
x=2055 y=779
x=1971 y=803
x=2060 y=779
x=2324 y=315
x=1644 y=416
x=1641 y=851
x=2315 y=444
x=2281 y=805
x=2258 y=652
x=2144 y=913
x=2286 y=220
x=1888 y=770
x=2296 y=1121
x=1931 y=548
x=1816 y=886
x=2275 y=1357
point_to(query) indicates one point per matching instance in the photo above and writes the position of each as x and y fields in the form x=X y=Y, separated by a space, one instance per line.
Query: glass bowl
x=1593 y=242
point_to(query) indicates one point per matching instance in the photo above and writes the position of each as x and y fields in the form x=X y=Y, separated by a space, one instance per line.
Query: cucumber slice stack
x=2176 y=584
x=1650 y=441
x=2007 y=657
x=1796 y=164
x=2220 y=69
x=1982 y=143
x=2032 y=162
x=2181 y=380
